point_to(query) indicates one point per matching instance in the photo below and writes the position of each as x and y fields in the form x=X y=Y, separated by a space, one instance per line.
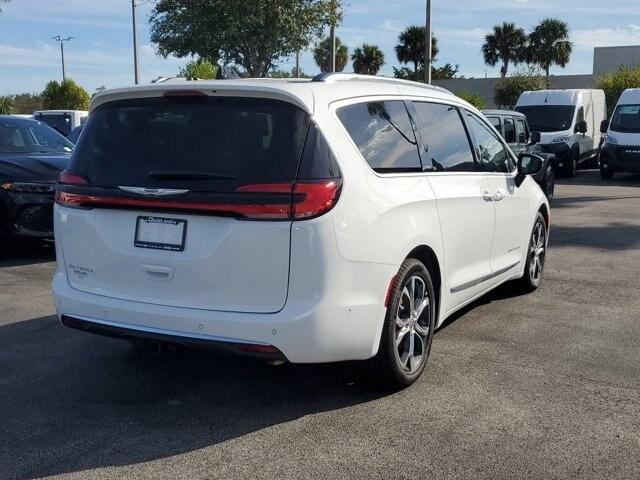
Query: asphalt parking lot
x=539 y=386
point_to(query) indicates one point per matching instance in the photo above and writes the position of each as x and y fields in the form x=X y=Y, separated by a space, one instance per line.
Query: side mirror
x=604 y=126
x=535 y=137
x=581 y=127
x=528 y=164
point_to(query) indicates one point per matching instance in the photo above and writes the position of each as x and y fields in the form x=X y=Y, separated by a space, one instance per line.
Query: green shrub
x=508 y=89
x=474 y=99
x=615 y=83
x=200 y=69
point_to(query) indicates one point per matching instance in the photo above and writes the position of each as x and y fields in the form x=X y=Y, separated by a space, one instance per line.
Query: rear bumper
x=27 y=215
x=334 y=312
x=115 y=330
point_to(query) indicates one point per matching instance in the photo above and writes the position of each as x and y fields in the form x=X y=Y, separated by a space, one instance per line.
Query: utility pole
x=427 y=43
x=61 y=40
x=332 y=36
x=136 y=75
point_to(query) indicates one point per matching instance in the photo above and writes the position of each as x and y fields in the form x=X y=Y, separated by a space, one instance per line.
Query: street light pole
x=427 y=43
x=61 y=40
x=332 y=35
x=136 y=75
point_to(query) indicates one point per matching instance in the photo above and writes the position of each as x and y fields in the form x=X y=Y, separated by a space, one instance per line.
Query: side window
x=384 y=135
x=509 y=130
x=495 y=121
x=493 y=155
x=521 y=131
x=445 y=137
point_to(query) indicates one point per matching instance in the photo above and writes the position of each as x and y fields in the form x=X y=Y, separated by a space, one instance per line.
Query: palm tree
x=549 y=45
x=6 y=106
x=411 y=46
x=506 y=44
x=367 y=59
x=322 y=55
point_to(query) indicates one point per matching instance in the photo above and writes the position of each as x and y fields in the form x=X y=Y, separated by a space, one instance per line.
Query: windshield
x=626 y=119
x=212 y=144
x=31 y=137
x=548 y=118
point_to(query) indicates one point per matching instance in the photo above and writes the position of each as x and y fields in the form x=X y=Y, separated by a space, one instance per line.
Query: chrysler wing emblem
x=156 y=192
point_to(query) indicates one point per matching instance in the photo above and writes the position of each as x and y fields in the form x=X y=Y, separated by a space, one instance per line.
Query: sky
x=101 y=52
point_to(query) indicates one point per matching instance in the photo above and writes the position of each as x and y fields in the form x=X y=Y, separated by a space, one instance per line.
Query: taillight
x=309 y=198
x=68 y=178
x=268 y=201
x=314 y=198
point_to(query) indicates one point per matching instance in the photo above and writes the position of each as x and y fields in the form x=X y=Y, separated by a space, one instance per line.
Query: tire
x=550 y=184
x=394 y=368
x=572 y=166
x=537 y=248
x=606 y=173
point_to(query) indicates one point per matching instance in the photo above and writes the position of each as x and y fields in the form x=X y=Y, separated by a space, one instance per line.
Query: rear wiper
x=188 y=175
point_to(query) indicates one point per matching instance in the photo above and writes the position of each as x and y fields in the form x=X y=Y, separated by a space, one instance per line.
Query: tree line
x=546 y=45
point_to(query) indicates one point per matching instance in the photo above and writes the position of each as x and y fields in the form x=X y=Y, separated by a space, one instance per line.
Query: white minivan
x=64 y=121
x=342 y=218
x=620 y=151
x=568 y=122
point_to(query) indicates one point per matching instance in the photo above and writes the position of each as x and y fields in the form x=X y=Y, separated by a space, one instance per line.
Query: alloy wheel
x=412 y=324
x=537 y=253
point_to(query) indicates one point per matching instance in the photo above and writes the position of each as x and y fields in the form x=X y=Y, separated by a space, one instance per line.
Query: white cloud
x=587 y=39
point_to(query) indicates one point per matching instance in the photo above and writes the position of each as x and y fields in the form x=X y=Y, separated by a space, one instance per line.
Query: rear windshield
x=626 y=119
x=198 y=143
x=61 y=122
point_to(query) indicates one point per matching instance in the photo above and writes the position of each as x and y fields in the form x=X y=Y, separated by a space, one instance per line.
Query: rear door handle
x=499 y=195
x=488 y=197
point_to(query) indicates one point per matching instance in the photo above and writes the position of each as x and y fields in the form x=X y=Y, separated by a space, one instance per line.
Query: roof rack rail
x=354 y=77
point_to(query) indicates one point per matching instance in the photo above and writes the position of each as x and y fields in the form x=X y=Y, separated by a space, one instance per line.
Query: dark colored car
x=74 y=135
x=32 y=155
x=514 y=128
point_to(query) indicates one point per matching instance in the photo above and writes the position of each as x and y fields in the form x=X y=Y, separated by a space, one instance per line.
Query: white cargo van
x=568 y=122
x=620 y=151
x=62 y=120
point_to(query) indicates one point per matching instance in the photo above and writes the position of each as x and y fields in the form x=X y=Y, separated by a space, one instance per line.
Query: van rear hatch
x=186 y=200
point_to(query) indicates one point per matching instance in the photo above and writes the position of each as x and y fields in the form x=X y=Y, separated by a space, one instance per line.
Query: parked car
x=32 y=155
x=343 y=218
x=620 y=151
x=74 y=135
x=63 y=121
x=568 y=122
x=515 y=130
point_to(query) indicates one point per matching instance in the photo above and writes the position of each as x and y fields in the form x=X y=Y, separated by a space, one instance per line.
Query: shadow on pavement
x=592 y=177
x=613 y=236
x=28 y=253
x=70 y=401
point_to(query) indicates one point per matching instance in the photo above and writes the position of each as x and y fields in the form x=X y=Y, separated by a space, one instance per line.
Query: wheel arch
x=544 y=210
x=428 y=256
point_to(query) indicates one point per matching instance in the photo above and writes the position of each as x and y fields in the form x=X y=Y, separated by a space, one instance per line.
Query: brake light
x=68 y=178
x=275 y=201
x=319 y=198
x=184 y=93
